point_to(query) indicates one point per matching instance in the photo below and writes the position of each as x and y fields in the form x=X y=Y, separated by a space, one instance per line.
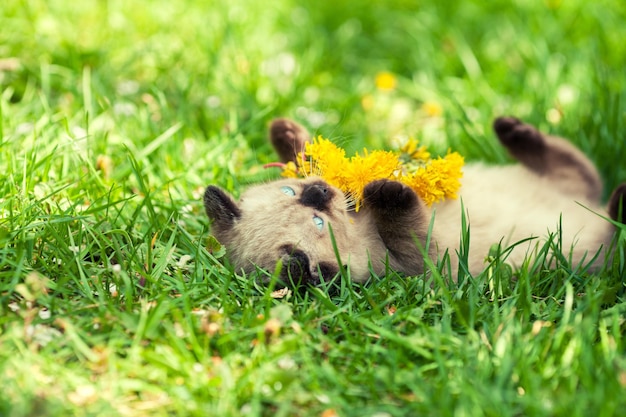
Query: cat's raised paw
x=517 y=135
x=288 y=138
x=617 y=204
x=389 y=195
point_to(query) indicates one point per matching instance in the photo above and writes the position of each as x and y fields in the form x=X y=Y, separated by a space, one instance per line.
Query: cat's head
x=287 y=221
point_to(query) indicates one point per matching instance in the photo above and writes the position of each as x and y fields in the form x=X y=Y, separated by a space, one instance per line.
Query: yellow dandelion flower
x=420 y=154
x=367 y=102
x=385 y=81
x=361 y=170
x=411 y=152
x=421 y=182
x=325 y=160
x=437 y=180
x=432 y=109
x=324 y=153
x=432 y=179
x=290 y=170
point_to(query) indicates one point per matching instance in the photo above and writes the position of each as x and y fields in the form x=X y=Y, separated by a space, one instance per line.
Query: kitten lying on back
x=289 y=220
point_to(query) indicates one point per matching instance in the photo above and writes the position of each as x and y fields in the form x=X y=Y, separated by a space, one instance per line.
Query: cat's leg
x=288 y=138
x=617 y=204
x=401 y=219
x=550 y=157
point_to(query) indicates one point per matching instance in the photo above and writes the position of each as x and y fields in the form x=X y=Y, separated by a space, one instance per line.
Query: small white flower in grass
x=189 y=147
x=179 y=331
x=124 y=109
x=127 y=87
x=283 y=64
x=113 y=290
x=212 y=328
x=42 y=334
x=42 y=190
x=84 y=394
x=198 y=192
x=78 y=132
x=554 y=116
x=286 y=363
x=567 y=94
x=187 y=209
x=24 y=129
x=323 y=398
x=199 y=312
x=116 y=268
x=183 y=261
x=44 y=314
x=281 y=293
x=311 y=95
x=314 y=118
x=213 y=102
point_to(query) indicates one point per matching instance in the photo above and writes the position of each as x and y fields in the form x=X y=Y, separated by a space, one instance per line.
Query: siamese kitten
x=555 y=189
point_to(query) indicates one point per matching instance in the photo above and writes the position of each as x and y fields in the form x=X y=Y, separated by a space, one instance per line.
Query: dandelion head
x=432 y=179
x=385 y=81
x=410 y=151
x=432 y=109
x=290 y=170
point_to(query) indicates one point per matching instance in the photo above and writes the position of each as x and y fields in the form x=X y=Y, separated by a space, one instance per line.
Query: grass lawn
x=114 y=299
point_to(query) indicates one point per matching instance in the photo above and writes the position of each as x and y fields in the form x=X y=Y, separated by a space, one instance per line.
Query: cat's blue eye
x=287 y=191
x=319 y=222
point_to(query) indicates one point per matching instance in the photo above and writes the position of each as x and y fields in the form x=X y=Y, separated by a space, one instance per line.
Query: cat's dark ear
x=288 y=138
x=220 y=207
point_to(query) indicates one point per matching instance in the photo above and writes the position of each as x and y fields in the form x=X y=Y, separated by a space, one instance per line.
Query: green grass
x=115 y=115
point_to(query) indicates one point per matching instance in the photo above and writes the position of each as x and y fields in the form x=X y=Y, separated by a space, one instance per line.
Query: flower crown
x=432 y=179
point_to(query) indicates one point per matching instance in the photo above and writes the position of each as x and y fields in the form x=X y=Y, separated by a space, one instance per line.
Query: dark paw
x=517 y=135
x=296 y=269
x=288 y=139
x=389 y=195
x=617 y=204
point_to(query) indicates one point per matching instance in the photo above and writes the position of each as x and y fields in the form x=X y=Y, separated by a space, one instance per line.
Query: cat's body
x=555 y=190
x=535 y=211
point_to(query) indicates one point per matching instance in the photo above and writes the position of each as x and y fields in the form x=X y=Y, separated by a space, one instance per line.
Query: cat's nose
x=316 y=195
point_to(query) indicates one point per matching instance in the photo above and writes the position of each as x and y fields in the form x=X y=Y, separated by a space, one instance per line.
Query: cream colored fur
x=533 y=208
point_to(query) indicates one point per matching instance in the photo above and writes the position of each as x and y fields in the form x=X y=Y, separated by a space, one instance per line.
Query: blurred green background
x=230 y=66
